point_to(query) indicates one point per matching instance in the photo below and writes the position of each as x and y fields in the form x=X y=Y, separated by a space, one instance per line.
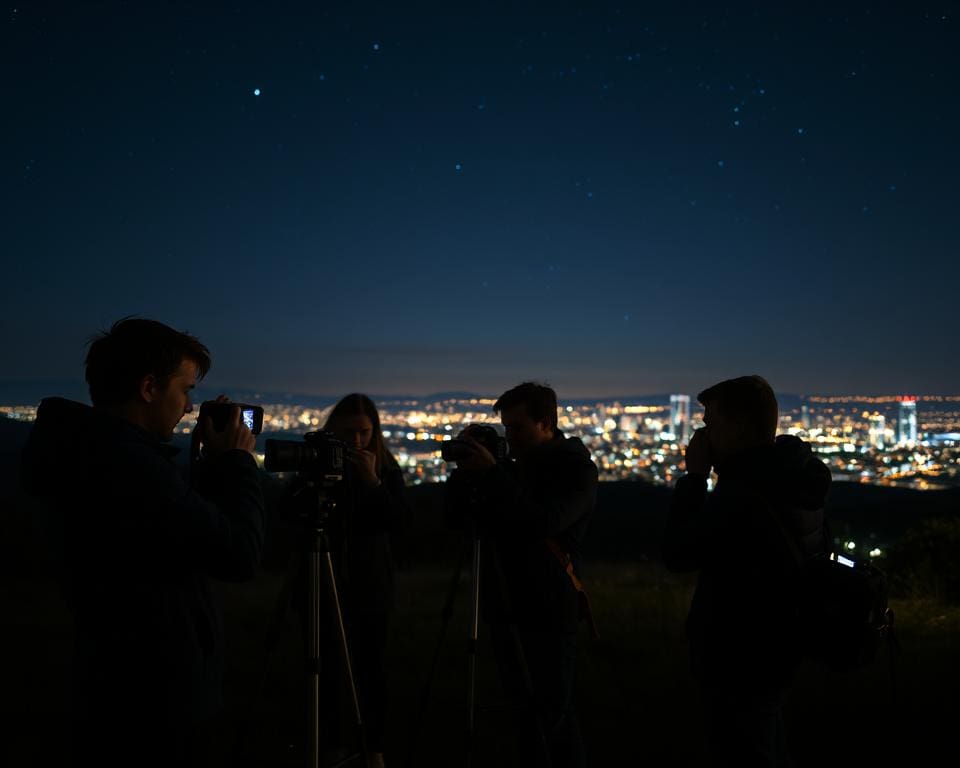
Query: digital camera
x=319 y=457
x=488 y=437
x=219 y=413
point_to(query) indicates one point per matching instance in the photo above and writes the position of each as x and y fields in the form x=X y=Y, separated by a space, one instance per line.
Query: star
x=256 y=91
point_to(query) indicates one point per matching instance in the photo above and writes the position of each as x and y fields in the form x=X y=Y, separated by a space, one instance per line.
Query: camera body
x=487 y=436
x=219 y=413
x=320 y=457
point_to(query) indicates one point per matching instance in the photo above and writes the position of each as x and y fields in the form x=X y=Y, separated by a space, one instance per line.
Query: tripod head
x=315 y=506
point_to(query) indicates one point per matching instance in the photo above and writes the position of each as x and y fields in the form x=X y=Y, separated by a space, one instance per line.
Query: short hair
x=135 y=347
x=749 y=399
x=539 y=400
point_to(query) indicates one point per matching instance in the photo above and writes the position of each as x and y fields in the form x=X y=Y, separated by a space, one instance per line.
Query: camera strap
x=566 y=562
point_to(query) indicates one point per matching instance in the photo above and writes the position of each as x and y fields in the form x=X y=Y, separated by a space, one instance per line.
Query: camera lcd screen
x=249 y=418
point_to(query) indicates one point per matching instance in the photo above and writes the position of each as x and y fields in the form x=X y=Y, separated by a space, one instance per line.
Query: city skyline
x=903 y=441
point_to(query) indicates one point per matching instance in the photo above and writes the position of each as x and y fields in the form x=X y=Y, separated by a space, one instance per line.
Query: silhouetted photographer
x=366 y=498
x=137 y=546
x=743 y=539
x=531 y=511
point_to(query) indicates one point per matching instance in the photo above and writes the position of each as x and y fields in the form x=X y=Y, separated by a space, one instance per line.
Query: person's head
x=739 y=414
x=355 y=421
x=528 y=413
x=145 y=370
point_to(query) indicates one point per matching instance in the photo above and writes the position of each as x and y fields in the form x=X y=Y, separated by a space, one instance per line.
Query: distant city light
x=903 y=441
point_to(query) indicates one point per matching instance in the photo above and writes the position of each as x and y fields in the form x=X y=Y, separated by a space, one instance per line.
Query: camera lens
x=286 y=456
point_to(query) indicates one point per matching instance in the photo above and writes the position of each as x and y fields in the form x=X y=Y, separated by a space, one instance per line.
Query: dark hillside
x=637 y=701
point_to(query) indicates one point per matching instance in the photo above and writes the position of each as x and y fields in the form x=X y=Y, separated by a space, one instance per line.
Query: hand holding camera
x=697 y=455
x=475 y=449
x=225 y=426
x=365 y=466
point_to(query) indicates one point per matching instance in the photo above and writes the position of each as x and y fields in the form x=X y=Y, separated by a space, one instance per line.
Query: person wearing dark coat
x=534 y=509
x=371 y=509
x=743 y=539
x=136 y=546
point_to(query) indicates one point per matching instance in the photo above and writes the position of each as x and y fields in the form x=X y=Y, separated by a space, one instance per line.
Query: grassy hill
x=637 y=702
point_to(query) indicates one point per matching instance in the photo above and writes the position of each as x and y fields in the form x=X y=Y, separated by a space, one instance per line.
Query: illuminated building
x=680 y=417
x=877 y=429
x=907 y=421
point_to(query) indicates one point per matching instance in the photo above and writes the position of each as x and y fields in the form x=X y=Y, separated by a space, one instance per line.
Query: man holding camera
x=533 y=508
x=136 y=546
x=745 y=539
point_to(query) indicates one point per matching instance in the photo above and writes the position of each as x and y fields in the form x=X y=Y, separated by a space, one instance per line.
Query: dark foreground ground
x=636 y=700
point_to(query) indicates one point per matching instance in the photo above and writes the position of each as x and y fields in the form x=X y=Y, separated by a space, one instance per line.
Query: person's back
x=136 y=547
x=741 y=624
x=746 y=540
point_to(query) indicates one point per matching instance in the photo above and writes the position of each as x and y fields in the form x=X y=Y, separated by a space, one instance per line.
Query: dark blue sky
x=428 y=198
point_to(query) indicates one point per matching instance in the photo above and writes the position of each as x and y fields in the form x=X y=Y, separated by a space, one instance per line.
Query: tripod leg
x=472 y=651
x=445 y=614
x=345 y=652
x=313 y=656
x=524 y=669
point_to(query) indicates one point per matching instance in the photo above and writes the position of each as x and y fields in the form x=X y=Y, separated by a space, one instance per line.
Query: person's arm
x=383 y=507
x=690 y=526
x=215 y=527
x=540 y=512
x=230 y=541
x=459 y=498
x=686 y=537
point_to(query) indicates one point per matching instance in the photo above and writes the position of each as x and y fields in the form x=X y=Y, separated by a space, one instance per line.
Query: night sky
x=406 y=199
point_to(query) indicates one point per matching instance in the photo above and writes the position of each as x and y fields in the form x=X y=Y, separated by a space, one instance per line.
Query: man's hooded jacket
x=136 y=547
x=745 y=538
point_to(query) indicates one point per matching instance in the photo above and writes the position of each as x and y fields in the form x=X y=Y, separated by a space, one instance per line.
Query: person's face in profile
x=356 y=431
x=522 y=432
x=170 y=402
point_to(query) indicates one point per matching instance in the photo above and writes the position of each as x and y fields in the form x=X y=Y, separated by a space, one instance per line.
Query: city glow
x=911 y=442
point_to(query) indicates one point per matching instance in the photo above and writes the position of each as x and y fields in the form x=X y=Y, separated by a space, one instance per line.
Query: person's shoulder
x=569 y=456
x=573 y=449
x=141 y=460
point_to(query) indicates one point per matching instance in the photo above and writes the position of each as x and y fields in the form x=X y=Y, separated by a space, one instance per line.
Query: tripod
x=473 y=542
x=320 y=573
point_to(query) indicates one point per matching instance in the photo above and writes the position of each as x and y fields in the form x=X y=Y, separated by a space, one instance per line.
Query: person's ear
x=148 y=389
